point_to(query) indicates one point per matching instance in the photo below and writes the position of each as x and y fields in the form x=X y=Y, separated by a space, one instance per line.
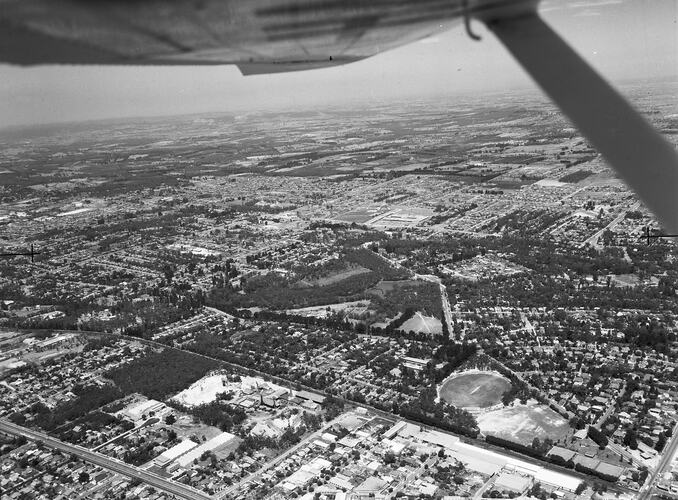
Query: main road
x=593 y=240
x=386 y=414
x=445 y=300
x=667 y=457
x=447 y=311
x=178 y=489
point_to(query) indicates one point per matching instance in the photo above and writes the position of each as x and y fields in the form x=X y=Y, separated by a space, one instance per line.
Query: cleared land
x=207 y=388
x=474 y=390
x=522 y=423
x=421 y=323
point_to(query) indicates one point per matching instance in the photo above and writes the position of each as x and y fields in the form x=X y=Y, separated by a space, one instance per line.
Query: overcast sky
x=623 y=39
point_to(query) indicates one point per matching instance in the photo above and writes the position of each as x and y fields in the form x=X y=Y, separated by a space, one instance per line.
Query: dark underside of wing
x=260 y=36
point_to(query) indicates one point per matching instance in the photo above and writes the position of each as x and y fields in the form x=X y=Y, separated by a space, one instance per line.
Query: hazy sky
x=623 y=39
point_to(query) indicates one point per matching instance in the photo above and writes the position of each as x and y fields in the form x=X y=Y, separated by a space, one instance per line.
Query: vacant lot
x=480 y=389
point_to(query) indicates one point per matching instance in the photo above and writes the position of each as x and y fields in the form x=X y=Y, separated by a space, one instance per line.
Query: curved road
x=178 y=489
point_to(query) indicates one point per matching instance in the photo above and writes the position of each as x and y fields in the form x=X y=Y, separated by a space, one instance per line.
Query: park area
x=522 y=423
x=474 y=389
x=424 y=324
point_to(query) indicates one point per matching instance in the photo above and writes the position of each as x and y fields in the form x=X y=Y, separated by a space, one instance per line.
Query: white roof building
x=516 y=483
x=175 y=451
x=216 y=442
x=138 y=411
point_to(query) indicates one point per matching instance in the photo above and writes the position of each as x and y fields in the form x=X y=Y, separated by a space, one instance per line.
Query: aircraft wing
x=260 y=36
x=264 y=36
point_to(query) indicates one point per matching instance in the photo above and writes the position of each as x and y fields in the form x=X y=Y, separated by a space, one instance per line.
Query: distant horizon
x=621 y=86
x=621 y=39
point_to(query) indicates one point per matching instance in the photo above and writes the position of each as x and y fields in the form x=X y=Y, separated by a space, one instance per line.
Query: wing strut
x=641 y=156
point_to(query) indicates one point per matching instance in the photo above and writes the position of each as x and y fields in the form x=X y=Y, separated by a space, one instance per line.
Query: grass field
x=474 y=390
x=421 y=323
x=359 y=215
x=386 y=286
x=522 y=423
x=339 y=276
